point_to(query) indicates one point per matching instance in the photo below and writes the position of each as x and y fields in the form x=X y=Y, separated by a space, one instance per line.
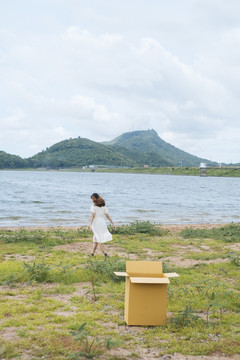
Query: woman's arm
x=108 y=217
x=91 y=221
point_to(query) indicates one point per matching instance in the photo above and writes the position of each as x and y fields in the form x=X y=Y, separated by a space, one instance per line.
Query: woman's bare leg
x=95 y=245
x=102 y=248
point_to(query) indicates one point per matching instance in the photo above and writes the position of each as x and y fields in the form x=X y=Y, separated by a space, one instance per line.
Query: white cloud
x=88 y=107
x=15 y=121
x=77 y=34
x=97 y=72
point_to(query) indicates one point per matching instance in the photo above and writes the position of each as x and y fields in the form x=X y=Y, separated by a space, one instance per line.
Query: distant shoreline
x=228 y=171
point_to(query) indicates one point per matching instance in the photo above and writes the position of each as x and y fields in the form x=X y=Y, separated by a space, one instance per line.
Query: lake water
x=48 y=198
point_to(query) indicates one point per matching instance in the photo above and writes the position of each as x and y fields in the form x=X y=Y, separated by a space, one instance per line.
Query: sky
x=100 y=68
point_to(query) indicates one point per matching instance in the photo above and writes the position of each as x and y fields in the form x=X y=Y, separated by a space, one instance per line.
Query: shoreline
x=171 y=227
x=231 y=171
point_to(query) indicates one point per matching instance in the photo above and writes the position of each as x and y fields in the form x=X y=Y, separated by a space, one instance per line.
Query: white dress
x=99 y=226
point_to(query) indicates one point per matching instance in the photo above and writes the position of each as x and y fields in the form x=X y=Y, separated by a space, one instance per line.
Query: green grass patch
x=59 y=304
x=139 y=227
x=229 y=233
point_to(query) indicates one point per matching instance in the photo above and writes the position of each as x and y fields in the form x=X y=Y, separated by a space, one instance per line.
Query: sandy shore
x=172 y=227
x=176 y=228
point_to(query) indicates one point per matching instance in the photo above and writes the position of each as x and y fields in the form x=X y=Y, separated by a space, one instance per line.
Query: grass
x=225 y=171
x=61 y=304
x=229 y=233
x=228 y=171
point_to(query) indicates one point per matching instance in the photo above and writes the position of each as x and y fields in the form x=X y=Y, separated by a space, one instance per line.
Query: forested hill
x=8 y=161
x=84 y=152
x=131 y=149
x=148 y=141
x=79 y=152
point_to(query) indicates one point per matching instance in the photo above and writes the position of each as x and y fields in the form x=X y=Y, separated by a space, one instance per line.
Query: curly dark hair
x=97 y=200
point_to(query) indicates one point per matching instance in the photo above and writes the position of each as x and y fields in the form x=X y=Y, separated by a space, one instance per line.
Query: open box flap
x=123 y=273
x=144 y=268
x=120 y=273
x=171 y=275
x=149 y=280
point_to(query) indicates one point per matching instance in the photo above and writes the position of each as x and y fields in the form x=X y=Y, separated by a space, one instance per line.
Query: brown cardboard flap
x=171 y=275
x=120 y=273
x=149 y=280
x=144 y=268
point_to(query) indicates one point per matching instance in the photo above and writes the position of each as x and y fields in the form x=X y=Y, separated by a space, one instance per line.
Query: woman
x=98 y=224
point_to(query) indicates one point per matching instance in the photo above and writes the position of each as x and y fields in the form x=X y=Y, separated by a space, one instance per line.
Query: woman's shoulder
x=103 y=209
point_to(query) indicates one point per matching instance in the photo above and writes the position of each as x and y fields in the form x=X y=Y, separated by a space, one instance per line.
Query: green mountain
x=131 y=149
x=79 y=152
x=84 y=152
x=149 y=143
x=8 y=161
x=140 y=158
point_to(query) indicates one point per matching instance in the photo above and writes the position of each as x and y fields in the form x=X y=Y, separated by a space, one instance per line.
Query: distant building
x=92 y=167
x=203 y=169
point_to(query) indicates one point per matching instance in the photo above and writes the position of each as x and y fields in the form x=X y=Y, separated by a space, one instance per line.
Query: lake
x=57 y=198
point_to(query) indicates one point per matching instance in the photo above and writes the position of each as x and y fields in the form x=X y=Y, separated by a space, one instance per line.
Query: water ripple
x=62 y=198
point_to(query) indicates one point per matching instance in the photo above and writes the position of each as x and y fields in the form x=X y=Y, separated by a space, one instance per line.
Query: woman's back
x=99 y=211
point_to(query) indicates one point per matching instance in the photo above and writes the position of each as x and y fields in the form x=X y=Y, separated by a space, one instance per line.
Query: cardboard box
x=145 y=292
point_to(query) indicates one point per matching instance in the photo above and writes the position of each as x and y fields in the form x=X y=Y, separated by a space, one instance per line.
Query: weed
x=12 y=280
x=37 y=272
x=208 y=296
x=66 y=272
x=185 y=318
x=102 y=271
x=39 y=237
x=105 y=269
x=84 y=232
x=228 y=233
x=234 y=258
x=139 y=227
x=25 y=236
x=109 y=343
x=22 y=333
x=135 y=355
x=90 y=347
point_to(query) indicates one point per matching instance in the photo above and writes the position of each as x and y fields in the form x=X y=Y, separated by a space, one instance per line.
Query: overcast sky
x=99 y=68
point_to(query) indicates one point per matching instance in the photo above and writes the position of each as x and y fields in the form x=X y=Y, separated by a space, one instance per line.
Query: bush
x=90 y=347
x=104 y=269
x=228 y=233
x=37 y=272
x=40 y=237
x=185 y=318
x=234 y=258
x=143 y=227
x=24 y=236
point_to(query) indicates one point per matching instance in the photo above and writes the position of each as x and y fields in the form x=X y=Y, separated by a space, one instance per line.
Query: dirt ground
x=178 y=228
x=10 y=333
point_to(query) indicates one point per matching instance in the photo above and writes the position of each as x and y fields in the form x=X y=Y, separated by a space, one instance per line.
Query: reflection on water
x=33 y=198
